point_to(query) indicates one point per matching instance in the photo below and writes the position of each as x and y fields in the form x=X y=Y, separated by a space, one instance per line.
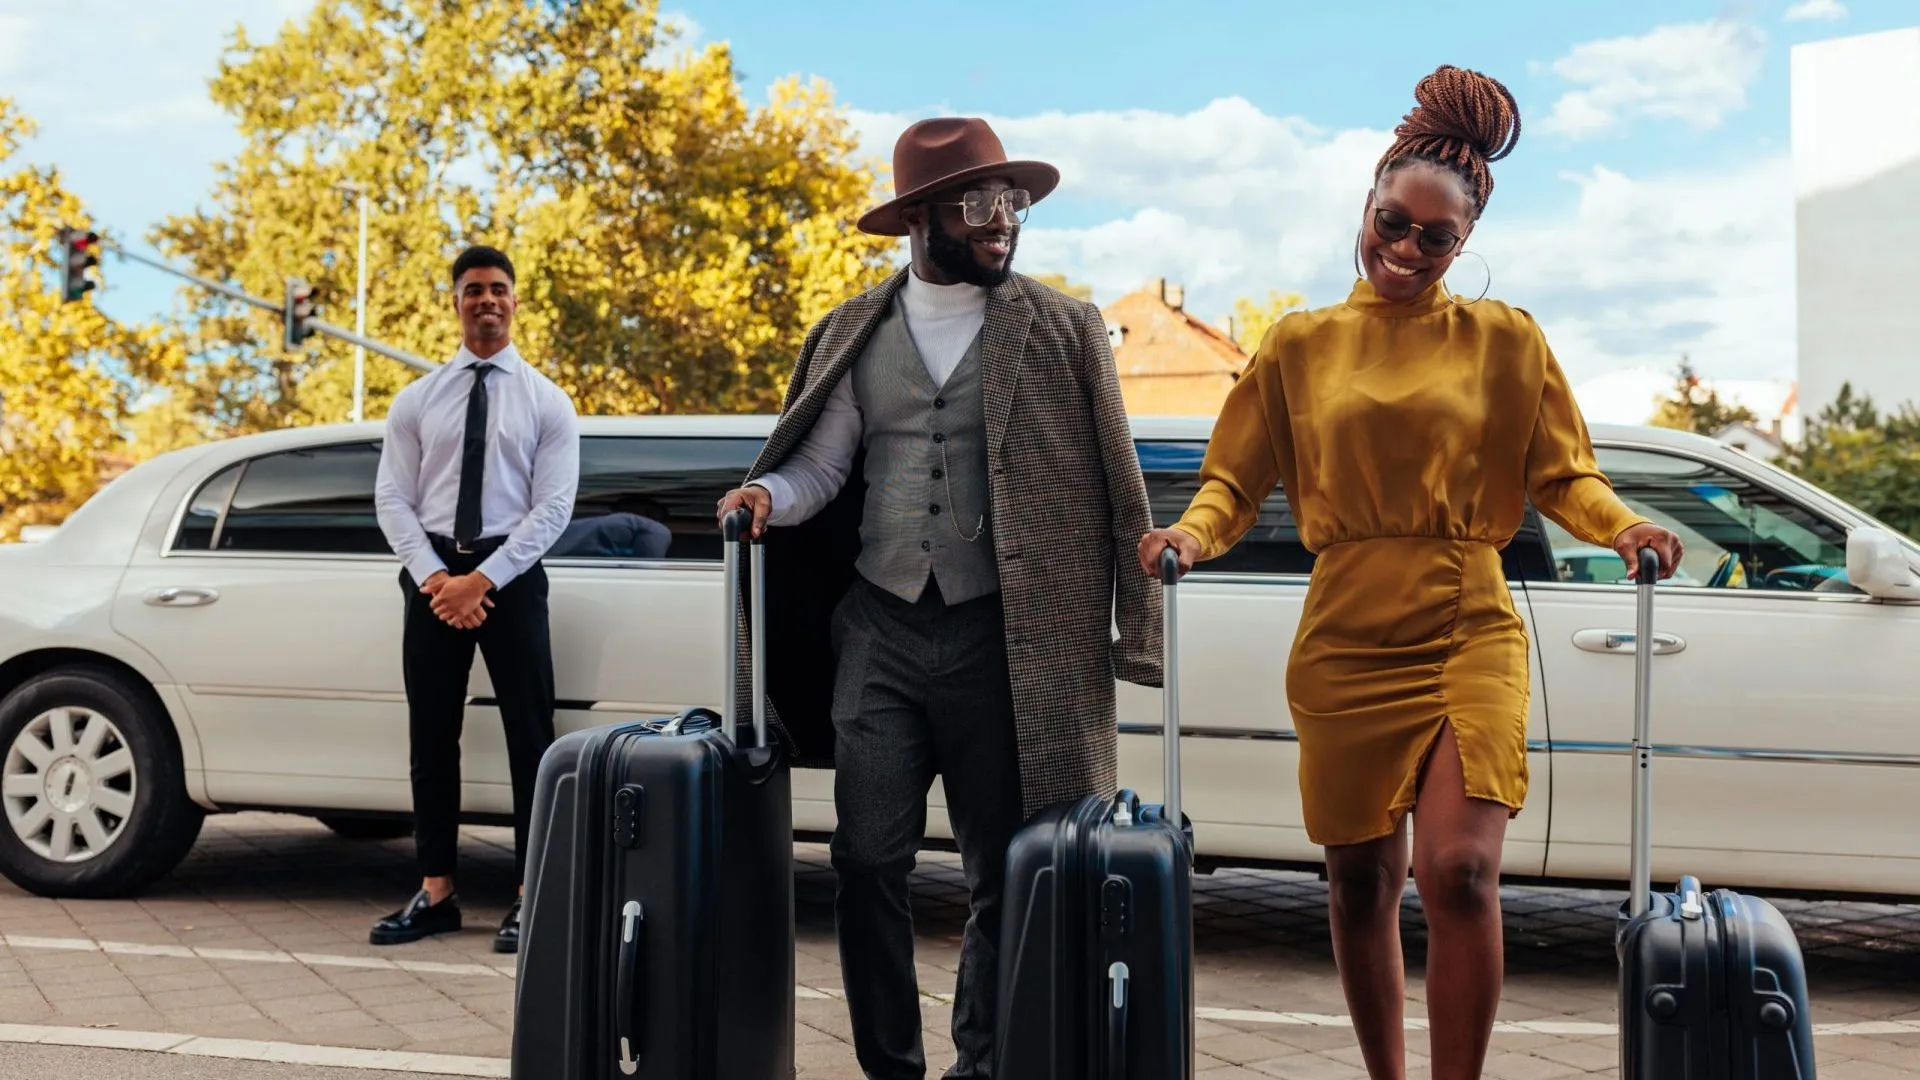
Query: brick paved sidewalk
x=262 y=935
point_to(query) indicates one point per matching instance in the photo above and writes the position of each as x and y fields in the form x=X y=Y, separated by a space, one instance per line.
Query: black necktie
x=473 y=459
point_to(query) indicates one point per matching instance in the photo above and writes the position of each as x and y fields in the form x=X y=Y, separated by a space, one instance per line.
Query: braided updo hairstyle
x=1461 y=121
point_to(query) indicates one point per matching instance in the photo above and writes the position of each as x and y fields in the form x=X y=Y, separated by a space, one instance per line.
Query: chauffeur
x=960 y=480
x=477 y=479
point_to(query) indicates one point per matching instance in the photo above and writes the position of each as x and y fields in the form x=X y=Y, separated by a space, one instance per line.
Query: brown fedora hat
x=950 y=150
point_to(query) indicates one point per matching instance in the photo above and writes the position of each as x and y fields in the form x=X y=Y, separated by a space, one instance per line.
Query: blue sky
x=1226 y=145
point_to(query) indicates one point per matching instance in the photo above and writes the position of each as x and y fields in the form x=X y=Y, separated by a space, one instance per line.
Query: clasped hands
x=460 y=602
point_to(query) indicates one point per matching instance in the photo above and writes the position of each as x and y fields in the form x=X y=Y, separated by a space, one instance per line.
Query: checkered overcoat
x=1068 y=507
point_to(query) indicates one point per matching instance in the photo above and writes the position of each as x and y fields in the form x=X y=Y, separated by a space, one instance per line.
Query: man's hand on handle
x=1648 y=535
x=1183 y=544
x=753 y=497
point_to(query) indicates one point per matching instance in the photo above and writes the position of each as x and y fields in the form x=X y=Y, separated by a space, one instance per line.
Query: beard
x=954 y=255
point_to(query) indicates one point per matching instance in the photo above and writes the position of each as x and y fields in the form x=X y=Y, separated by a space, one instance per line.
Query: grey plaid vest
x=926 y=470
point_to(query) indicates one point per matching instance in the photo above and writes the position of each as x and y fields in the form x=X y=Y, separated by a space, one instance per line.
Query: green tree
x=67 y=372
x=1696 y=406
x=672 y=243
x=1251 y=319
x=1060 y=282
x=1869 y=459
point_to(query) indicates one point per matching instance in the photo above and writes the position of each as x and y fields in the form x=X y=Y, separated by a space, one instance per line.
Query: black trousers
x=920 y=689
x=437 y=660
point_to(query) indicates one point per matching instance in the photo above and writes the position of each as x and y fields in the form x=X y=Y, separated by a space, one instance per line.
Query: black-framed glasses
x=978 y=206
x=1392 y=225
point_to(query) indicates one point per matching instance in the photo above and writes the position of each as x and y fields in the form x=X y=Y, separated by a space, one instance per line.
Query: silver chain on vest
x=946 y=474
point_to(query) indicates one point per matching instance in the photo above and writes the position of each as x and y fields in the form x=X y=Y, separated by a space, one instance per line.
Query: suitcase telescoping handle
x=735 y=530
x=1640 y=860
x=1170 y=681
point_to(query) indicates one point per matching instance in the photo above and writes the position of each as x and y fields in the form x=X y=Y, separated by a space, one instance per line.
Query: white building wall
x=1856 y=164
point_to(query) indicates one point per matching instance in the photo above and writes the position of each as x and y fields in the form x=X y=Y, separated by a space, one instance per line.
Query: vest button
x=934 y=509
x=938 y=437
x=939 y=403
x=926 y=545
x=938 y=473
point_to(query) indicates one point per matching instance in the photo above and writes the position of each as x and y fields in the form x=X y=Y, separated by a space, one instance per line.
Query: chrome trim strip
x=1549 y=746
x=1719 y=595
x=1744 y=753
x=1189 y=731
x=381 y=696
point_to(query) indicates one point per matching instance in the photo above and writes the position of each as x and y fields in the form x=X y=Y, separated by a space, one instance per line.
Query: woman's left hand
x=1648 y=535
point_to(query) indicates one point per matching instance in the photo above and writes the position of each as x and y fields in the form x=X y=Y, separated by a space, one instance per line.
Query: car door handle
x=180 y=596
x=1622 y=641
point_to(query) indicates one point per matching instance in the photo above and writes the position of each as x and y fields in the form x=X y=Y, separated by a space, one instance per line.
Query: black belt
x=446 y=545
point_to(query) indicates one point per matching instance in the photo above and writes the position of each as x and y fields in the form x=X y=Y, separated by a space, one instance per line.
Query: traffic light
x=298 y=313
x=80 y=250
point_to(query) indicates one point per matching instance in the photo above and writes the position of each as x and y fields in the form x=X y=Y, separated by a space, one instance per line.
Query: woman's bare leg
x=1364 y=885
x=1456 y=865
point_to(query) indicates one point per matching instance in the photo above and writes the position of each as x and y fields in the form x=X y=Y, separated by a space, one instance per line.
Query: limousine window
x=1272 y=546
x=201 y=523
x=652 y=498
x=1737 y=534
x=317 y=500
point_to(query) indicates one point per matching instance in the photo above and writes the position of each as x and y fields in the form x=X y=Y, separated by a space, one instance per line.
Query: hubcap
x=68 y=784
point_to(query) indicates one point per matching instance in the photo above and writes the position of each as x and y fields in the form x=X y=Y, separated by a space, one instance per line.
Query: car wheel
x=93 y=800
x=369 y=828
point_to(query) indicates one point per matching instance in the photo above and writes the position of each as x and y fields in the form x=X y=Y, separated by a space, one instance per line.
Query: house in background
x=1171 y=363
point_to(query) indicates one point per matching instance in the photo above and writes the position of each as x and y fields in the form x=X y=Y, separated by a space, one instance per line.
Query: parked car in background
x=219 y=629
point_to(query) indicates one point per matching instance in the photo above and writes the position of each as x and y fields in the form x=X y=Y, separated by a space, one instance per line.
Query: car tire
x=369 y=828
x=122 y=782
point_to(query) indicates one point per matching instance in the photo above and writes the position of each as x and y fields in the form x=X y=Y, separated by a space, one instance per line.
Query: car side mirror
x=1878 y=566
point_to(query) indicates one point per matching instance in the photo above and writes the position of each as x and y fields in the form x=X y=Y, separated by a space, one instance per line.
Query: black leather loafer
x=420 y=918
x=508 y=939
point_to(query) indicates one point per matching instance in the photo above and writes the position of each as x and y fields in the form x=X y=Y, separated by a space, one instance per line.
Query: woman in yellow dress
x=1408 y=427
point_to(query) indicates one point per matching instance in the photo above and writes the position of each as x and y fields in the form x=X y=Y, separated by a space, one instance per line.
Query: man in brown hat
x=952 y=486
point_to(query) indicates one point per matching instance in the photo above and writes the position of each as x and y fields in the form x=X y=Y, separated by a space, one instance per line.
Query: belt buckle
x=460 y=547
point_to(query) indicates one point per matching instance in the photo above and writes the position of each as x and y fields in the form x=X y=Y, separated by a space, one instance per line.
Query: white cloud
x=1816 y=9
x=1625 y=272
x=1695 y=73
x=16 y=39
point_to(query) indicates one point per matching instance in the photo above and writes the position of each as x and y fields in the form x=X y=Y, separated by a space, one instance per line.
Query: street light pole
x=360 y=312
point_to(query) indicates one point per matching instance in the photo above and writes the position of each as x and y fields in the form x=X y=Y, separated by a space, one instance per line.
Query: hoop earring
x=1454 y=298
x=1357 y=271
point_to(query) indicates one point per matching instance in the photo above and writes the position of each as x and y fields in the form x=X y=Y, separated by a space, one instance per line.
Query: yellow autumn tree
x=68 y=374
x=1251 y=318
x=672 y=243
x=1071 y=288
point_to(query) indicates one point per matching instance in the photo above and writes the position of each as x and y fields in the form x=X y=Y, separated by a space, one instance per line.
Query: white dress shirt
x=532 y=471
x=943 y=320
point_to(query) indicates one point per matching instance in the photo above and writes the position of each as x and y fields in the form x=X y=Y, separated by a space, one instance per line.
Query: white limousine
x=219 y=629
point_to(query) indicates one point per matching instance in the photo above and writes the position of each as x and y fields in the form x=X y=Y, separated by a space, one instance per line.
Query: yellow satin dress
x=1406 y=437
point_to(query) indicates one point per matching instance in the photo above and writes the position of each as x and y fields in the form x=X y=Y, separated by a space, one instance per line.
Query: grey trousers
x=920 y=689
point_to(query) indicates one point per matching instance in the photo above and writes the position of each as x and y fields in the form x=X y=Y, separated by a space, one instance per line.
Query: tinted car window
x=1272 y=546
x=314 y=500
x=652 y=498
x=201 y=523
x=1737 y=534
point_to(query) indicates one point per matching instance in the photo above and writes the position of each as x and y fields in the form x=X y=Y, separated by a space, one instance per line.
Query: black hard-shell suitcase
x=1096 y=942
x=1712 y=985
x=657 y=932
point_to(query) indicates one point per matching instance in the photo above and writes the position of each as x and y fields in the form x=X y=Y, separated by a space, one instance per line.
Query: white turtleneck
x=943 y=320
